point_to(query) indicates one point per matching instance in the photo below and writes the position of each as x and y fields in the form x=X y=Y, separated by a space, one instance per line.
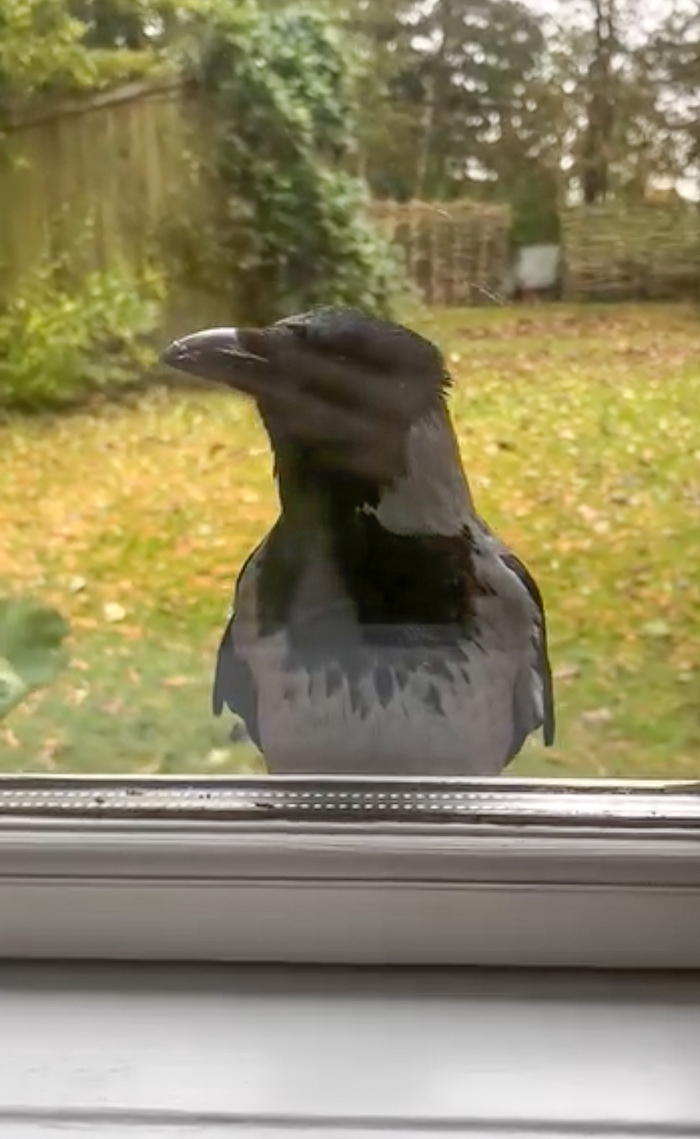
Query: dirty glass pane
x=516 y=181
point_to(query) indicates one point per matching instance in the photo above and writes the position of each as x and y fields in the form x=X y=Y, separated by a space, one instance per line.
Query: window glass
x=513 y=185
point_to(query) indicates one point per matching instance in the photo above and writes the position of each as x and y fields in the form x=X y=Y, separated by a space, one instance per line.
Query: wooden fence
x=94 y=181
x=91 y=180
x=456 y=253
x=620 y=253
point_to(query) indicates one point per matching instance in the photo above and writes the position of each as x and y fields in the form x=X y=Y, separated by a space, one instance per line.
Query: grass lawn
x=580 y=429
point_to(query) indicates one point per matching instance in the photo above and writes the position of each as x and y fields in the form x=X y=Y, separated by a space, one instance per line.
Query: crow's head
x=336 y=386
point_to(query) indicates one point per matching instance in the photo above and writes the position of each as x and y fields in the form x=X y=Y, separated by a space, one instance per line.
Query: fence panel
x=457 y=253
x=649 y=251
x=89 y=180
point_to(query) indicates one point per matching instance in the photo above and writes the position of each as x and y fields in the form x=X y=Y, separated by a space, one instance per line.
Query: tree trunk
x=601 y=106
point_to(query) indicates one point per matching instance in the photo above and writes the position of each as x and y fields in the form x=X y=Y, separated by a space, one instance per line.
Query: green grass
x=580 y=429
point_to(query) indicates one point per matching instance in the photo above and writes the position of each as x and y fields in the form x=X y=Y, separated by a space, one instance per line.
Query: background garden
x=517 y=180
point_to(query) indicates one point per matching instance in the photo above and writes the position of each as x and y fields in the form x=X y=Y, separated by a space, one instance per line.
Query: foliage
x=43 y=48
x=132 y=25
x=673 y=58
x=579 y=431
x=617 y=65
x=458 y=106
x=496 y=99
x=60 y=341
x=490 y=99
x=31 y=637
x=290 y=230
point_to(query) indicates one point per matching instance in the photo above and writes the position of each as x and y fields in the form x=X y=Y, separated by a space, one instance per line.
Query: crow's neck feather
x=431 y=497
x=434 y=496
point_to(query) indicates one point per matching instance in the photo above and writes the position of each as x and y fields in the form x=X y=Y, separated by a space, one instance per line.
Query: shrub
x=60 y=342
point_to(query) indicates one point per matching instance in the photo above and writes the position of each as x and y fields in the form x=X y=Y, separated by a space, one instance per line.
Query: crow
x=380 y=628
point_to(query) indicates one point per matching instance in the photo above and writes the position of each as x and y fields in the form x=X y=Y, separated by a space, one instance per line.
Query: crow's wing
x=234 y=684
x=539 y=637
x=539 y=631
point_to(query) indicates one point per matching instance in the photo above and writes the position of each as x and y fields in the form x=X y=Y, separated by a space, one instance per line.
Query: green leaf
x=31 y=652
x=12 y=688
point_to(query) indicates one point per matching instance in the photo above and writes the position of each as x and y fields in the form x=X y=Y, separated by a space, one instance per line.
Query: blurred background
x=518 y=179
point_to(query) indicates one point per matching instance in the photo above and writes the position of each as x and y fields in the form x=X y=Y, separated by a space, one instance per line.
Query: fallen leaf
x=177 y=681
x=218 y=757
x=112 y=707
x=77 y=696
x=597 y=716
x=113 y=611
x=48 y=752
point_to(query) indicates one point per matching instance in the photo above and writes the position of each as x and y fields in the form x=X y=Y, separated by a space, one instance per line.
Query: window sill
x=499 y=873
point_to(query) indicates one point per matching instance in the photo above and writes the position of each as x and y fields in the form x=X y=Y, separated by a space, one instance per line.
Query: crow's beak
x=214 y=354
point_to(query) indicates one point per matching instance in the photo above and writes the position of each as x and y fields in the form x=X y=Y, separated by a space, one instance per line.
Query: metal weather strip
x=643 y=803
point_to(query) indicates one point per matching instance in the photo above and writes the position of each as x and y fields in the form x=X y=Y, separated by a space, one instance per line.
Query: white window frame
x=517 y=873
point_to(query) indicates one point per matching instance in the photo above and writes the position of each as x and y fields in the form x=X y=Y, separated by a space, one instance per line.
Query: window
x=551 y=241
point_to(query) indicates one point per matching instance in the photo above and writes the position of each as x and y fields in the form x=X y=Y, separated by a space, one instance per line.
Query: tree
x=460 y=105
x=620 y=141
x=600 y=98
x=673 y=59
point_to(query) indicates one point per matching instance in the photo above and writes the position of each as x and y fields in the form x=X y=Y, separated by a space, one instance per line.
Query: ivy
x=291 y=229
